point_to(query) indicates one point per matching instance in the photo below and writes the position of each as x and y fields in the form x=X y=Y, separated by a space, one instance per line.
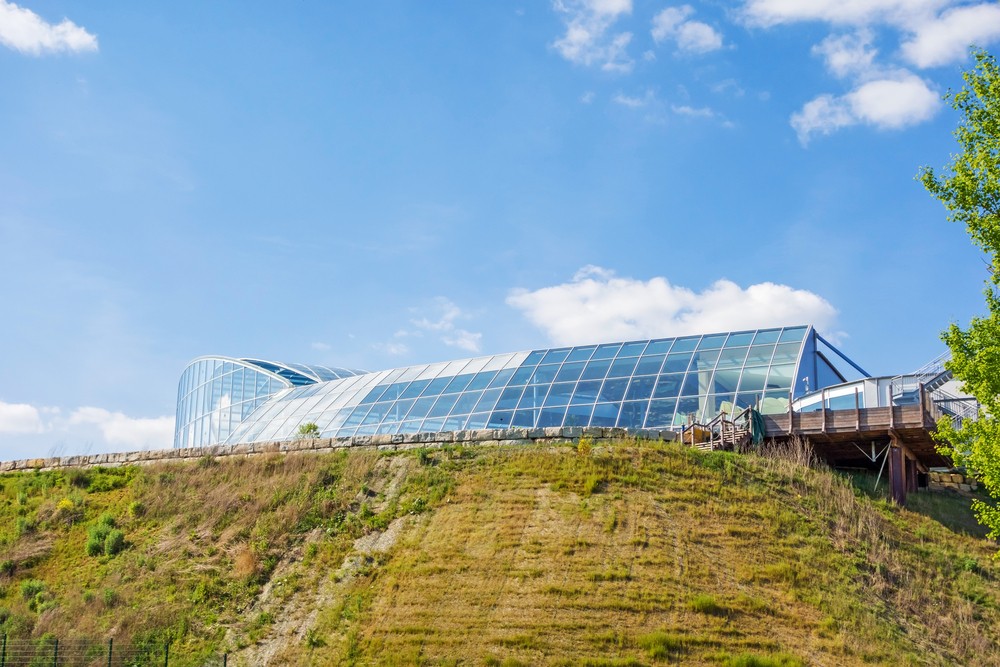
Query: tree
x=308 y=430
x=971 y=193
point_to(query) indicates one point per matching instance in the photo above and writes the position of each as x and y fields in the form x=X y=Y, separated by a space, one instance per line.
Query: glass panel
x=578 y=415
x=659 y=346
x=467 y=402
x=533 y=397
x=502 y=377
x=455 y=423
x=760 y=354
x=607 y=351
x=533 y=358
x=726 y=380
x=740 y=339
x=459 y=383
x=641 y=387
x=521 y=376
x=780 y=377
x=432 y=425
x=786 y=352
x=733 y=357
x=524 y=419
x=421 y=407
x=633 y=414
x=690 y=387
x=356 y=416
x=605 y=414
x=570 y=372
x=686 y=407
x=544 y=374
x=614 y=390
x=587 y=392
x=374 y=395
x=414 y=389
x=705 y=360
x=622 y=367
x=443 y=406
x=768 y=336
x=776 y=403
x=478 y=421
x=677 y=363
x=796 y=334
x=410 y=427
x=668 y=386
x=481 y=381
x=437 y=386
x=650 y=365
x=399 y=409
x=632 y=349
x=596 y=370
x=661 y=413
x=501 y=419
x=745 y=400
x=753 y=379
x=685 y=344
x=551 y=417
x=581 y=354
x=489 y=399
x=555 y=356
x=509 y=398
x=559 y=394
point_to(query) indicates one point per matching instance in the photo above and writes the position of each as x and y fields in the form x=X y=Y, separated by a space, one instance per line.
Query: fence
x=49 y=651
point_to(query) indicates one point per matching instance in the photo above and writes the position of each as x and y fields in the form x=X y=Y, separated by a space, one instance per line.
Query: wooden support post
x=897 y=473
x=822 y=404
x=857 y=411
x=790 y=413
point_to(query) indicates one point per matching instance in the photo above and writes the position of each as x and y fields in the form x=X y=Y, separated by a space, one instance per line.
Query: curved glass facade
x=653 y=384
x=216 y=394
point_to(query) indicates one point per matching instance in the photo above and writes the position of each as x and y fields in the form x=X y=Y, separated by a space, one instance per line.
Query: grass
x=637 y=553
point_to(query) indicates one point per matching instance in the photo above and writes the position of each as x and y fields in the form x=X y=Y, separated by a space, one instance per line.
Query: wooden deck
x=861 y=437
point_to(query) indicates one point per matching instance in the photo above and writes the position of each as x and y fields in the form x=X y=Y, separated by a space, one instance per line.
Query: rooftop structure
x=651 y=384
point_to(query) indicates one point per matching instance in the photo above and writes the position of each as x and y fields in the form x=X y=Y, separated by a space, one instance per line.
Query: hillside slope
x=640 y=553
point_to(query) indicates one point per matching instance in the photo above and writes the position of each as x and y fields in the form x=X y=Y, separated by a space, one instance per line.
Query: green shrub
x=114 y=542
x=30 y=588
x=7 y=567
x=706 y=604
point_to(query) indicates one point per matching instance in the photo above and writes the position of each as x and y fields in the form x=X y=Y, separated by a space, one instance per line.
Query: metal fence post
x=225 y=659
x=111 y=643
x=3 y=652
x=55 y=653
x=166 y=654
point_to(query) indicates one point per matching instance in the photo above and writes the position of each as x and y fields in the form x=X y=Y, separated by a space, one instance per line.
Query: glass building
x=652 y=384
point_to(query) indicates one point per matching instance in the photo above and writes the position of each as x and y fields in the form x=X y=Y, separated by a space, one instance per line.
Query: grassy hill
x=637 y=554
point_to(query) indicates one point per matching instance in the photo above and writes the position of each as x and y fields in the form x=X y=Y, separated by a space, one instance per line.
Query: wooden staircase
x=719 y=433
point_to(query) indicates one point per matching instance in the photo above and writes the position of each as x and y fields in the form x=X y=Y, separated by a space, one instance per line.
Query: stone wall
x=940 y=481
x=486 y=437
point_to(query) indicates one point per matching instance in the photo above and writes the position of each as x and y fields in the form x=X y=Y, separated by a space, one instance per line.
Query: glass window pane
x=780 y=377
x=509 y=398
x=581 y=354
x=632 y=349
x=640 y=388
x=459 y=383
x=521 y=376
x=524 y=419
x=596 y=370
x=753 y=379
x=578 y=415
x=795 y=334
x=622 y=367
x=489 y=400
x=399 y=409
x=443 y=406
x=740 y=339
x=501 y=378
x=414 y=389
x=668 y=386
x=533 y=396
x=533 y=358
x=551 y=417
x=420 y=407
x=726 y=380
x=704 y=360
x=587 y=392
x=650 y=365
x=760 y=355
x=685 y=344
x=733 y=357
x=688 y=406
x=437 y=386
x=690 y=387
x=606 y=351
x=555 y=356
x=432 y=425
x=544 y=374
x=605 y=414
x=481 y=381
x=786 y=352
x=767 y=336
x=570 y=372
x=661 y=413
x=467 y=402
x=614 y=390
x=501 y=419
x=374 y=394
x=633 y=414
x=660 y=346
x=677 y=363
x=478 y=421
x=559 y=394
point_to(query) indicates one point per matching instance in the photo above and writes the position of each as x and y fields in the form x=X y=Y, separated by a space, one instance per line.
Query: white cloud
x=598 y=305
x=589 y=39
x=633 y=102
x=768 y=13
x=848 y=55
x=947 y=39
x=444 y=324
x=587 y=97
x=320 y=346
x=394 y=348
x=886 y=104
x=20 y=418
x=130 y=432
x=23 y=30
x=690 y=36
x=693 y=112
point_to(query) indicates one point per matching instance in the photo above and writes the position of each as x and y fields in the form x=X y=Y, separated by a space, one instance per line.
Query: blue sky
x=383 y=183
